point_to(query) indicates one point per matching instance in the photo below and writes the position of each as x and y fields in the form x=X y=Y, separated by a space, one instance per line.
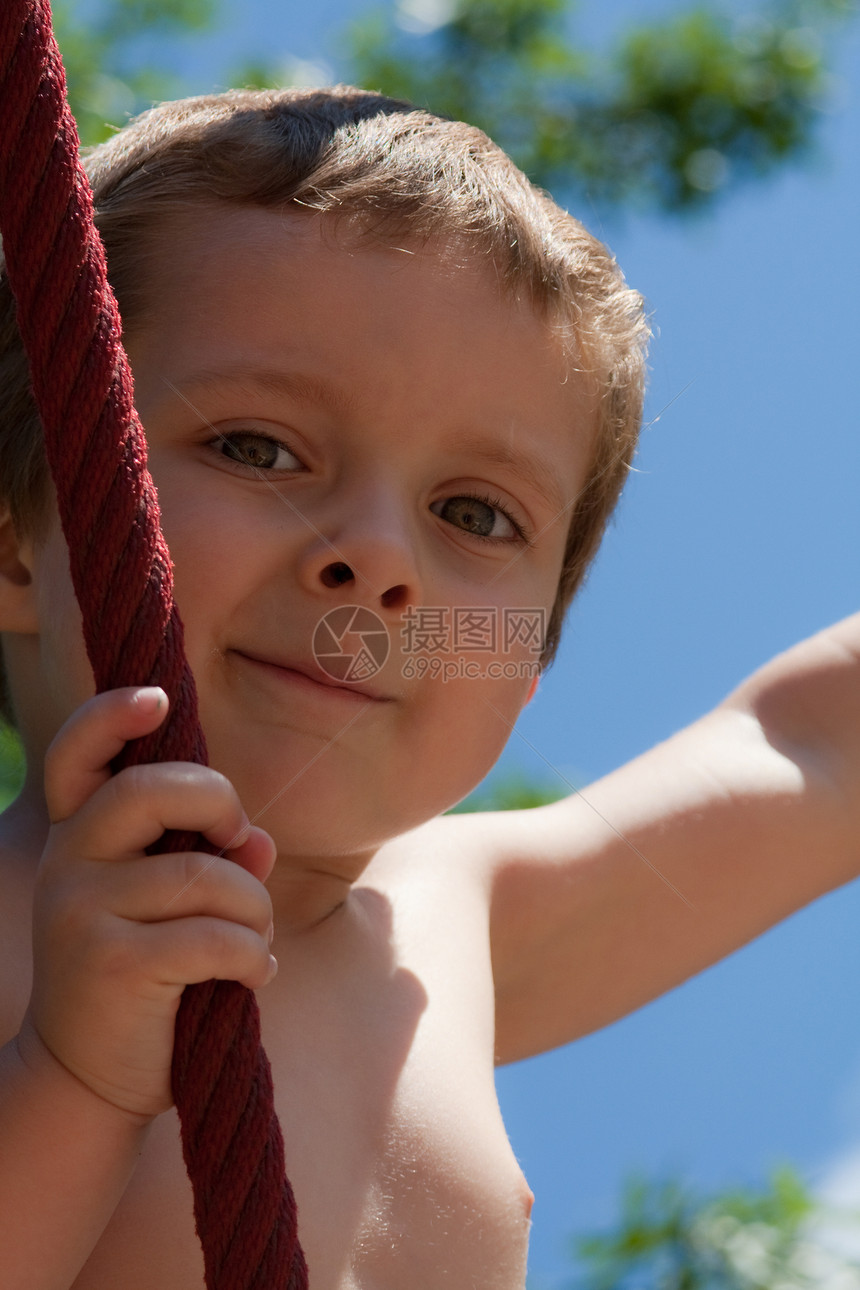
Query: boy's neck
x=308 y=890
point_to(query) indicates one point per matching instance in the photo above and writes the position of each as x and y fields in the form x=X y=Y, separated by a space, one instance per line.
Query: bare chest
x=382 y=1055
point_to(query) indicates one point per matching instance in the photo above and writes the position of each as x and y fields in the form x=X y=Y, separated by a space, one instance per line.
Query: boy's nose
x=339 y=574
x=365 y=547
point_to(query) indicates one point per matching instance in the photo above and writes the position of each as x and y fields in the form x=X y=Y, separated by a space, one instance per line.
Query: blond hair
x=392 y=170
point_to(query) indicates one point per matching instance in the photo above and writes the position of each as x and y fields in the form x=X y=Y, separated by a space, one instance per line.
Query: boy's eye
x=257 y=451
x=477 y=515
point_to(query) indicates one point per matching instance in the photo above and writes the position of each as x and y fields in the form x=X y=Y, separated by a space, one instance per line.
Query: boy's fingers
x=78 y=761
x=208 y=948
x=132 y=809
x=171 y=886
x=257 y=852
x=106 y=817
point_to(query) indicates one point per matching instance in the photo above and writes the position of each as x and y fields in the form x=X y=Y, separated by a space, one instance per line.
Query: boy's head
x=394 y=176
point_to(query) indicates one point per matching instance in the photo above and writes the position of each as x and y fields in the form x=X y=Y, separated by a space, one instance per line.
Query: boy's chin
x=346 y=834
x=351 y=828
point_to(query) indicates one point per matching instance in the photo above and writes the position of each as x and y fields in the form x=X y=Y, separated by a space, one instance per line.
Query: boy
x=376 y=369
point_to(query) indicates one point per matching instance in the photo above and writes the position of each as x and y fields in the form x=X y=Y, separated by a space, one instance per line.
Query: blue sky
x=737 y=535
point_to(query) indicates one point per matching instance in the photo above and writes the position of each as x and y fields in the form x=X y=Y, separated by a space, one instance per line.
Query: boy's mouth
x=311 y=677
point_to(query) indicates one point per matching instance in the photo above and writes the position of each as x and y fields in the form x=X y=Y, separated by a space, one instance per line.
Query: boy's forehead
x=259 y=288
x=214 y=240
x=199 y=247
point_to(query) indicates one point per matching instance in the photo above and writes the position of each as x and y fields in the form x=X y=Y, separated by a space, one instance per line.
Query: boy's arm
x=607 y=899
x=66 y=1156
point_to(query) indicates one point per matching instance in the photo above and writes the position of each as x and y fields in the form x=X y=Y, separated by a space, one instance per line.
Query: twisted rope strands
x=121 y=570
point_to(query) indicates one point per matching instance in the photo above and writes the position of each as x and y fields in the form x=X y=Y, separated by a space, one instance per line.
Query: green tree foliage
x=108 y=77
x=674 y=114
x=11 y=766
x=669 y=1239
x=516 y=792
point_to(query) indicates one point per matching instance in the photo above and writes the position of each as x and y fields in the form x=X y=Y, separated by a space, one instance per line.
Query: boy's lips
x=311 y=674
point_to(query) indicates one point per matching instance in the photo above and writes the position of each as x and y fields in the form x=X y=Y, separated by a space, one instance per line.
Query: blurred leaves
x=675 y=113
x=109 y=73
x=667 y=1238
x=672 y=116
x=514 y=792
x=11 y=765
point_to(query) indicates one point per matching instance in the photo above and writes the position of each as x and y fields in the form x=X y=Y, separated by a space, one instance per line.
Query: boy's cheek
x=65 y=677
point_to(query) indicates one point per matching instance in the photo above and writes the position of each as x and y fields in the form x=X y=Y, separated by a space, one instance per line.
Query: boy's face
x=332 y=425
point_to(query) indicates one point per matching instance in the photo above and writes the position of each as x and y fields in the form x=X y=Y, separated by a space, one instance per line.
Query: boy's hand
x=118 y=934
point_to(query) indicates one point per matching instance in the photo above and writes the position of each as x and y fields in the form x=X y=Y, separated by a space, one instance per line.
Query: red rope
x=69 y=321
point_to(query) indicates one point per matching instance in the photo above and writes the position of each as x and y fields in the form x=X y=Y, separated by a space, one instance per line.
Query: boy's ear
x=17 y=593
x=532 y=690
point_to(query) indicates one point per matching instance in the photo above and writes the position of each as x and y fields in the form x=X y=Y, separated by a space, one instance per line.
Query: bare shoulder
x=449 y=857
x=438 y=883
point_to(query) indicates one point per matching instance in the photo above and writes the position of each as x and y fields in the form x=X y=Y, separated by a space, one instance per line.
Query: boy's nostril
x=395 y=597
x=335 y=575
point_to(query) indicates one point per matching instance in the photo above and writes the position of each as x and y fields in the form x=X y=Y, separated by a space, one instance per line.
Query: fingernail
x=273 y=968
x=150 y=699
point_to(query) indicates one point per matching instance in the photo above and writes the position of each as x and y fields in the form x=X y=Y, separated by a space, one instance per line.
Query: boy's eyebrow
x=303 y=387
x=529 y=466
